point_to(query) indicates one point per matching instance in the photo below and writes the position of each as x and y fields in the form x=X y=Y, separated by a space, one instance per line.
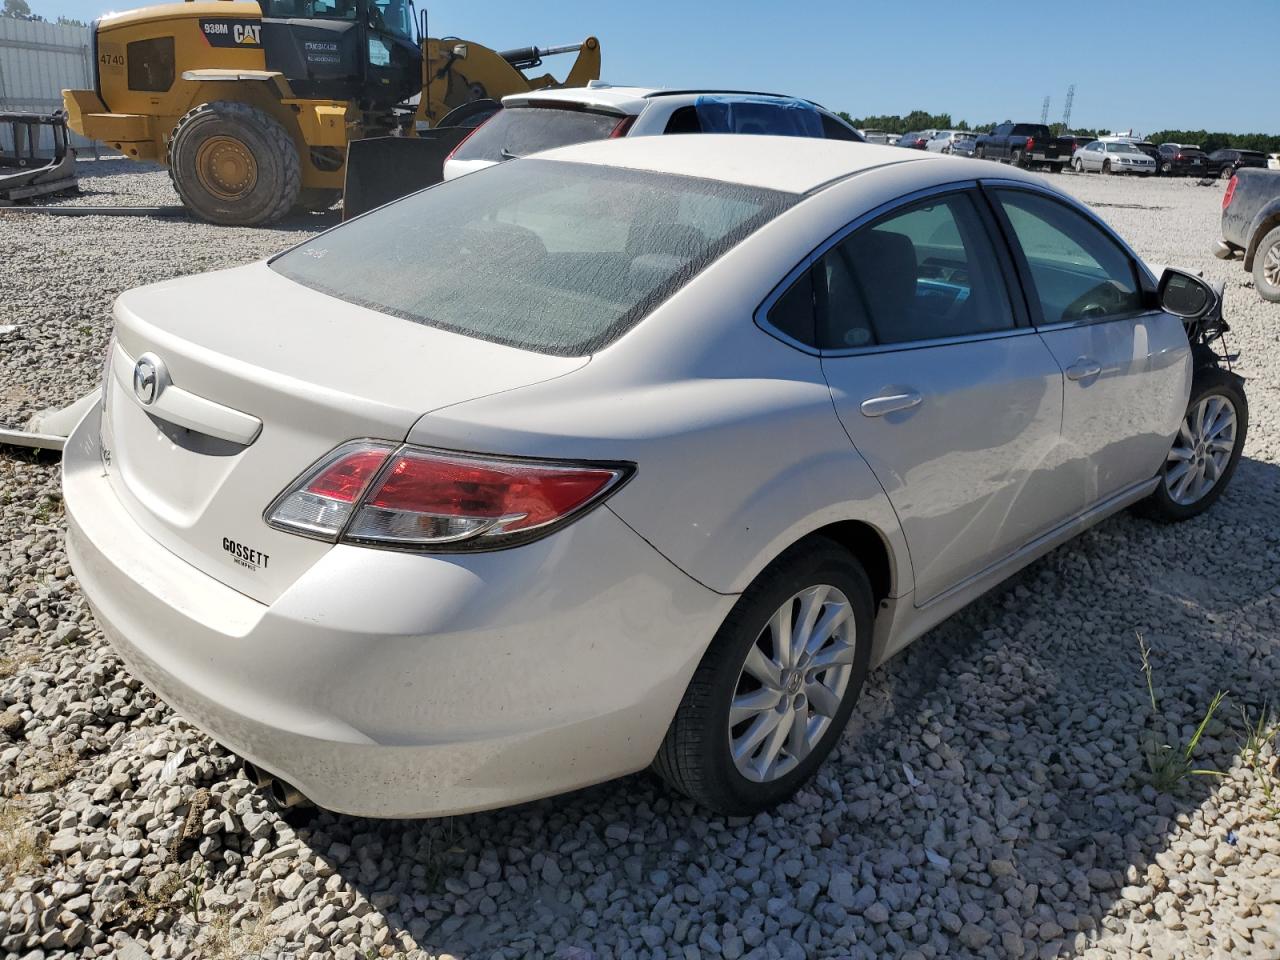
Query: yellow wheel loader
x=251 y=105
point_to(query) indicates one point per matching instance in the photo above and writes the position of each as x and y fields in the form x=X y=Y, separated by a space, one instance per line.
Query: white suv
x=544 y=119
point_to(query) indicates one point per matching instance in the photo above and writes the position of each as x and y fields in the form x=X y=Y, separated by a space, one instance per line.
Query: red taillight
x=1230 y=194
x=426 y=499
x=1031 y=142
x=323 y=500
x=620 y=129
x=1177 y=156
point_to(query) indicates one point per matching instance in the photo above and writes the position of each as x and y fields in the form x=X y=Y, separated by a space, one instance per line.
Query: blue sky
x=1145 y=65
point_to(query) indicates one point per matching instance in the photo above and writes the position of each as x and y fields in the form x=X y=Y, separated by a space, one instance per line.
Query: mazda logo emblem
x=149 y=378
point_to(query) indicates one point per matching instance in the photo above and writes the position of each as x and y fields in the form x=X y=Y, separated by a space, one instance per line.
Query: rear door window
x=519 y=131
x=925 y=272
x=558 y=258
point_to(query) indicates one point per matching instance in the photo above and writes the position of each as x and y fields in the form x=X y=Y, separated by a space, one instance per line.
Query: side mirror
x=1185 y=295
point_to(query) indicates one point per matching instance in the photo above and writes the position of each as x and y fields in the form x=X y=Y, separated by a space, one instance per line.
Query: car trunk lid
x=258 y=377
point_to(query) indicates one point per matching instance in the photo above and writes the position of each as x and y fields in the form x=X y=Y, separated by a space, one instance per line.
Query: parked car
x=959 y=142
x=1022 y=144
x=1182 y=160
x=1251 y=227
x=1273 y=161
x=485 y=518
x=543 y=119
x=1071 y=142
x=1225 y=163
x=1110 y=156
x=915 y=140
x=874 y=136
x=1150 y=149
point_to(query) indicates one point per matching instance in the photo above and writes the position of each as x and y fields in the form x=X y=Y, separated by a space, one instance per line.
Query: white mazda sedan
x=638 y=453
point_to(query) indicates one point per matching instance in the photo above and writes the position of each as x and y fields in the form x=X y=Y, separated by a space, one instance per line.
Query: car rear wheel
x=775 y=688
x=1205 y=450
x=1015 y=158
x=1266 y=267
x=1226 y=173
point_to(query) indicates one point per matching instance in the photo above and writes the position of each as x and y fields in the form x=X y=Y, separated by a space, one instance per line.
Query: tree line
x=921 y=120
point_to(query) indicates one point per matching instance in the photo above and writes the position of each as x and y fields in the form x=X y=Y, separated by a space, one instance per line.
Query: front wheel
x=980 y=153
x=776 y=686
x=1266 y=267
x=1206 y=449
x=1106 y=167
x=234 y=164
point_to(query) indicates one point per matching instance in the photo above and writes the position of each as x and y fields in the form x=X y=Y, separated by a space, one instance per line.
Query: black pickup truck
x=1023 y=145
x=1251 y=227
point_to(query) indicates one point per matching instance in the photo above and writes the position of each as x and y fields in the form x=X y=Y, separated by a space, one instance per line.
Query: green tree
x=18 y=9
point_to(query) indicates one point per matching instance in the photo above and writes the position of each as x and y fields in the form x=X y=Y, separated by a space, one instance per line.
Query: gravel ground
x=990 y=799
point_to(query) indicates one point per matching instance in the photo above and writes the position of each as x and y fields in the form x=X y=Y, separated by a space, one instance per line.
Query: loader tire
x=233 y=164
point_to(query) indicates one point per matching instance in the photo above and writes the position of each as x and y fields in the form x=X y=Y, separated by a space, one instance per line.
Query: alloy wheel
x=1201 y=450
x=1271 y=265
x=791 y=685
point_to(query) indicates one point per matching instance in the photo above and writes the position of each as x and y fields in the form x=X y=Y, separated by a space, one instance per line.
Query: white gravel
x=989 y=800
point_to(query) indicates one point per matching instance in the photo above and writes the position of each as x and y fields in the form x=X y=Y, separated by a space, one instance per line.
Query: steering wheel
x=1105 y=298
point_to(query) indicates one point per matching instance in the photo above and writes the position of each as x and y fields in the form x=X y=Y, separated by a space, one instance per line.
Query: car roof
x=628 y=99
x=790 y=164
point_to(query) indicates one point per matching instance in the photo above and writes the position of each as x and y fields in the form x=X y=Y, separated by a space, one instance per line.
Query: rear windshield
x=558 y=258
x=518 y=131
x=1031 y=130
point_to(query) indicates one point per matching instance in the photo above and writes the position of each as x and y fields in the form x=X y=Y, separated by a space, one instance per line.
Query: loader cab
x=366 y=50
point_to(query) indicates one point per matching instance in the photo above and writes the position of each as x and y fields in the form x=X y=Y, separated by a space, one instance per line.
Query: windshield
x=558 y=258
x=1122 y=148
x=387 y=16
x=393 y=16
x=518 y=131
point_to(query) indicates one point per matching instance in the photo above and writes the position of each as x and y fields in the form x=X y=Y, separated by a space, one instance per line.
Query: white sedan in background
x=1112 y=156
x=641 y=452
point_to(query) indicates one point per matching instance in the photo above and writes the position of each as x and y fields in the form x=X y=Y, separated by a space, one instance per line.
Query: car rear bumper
x=388 y=684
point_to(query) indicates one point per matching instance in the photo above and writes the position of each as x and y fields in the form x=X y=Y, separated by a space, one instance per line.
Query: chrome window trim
x=761 y=315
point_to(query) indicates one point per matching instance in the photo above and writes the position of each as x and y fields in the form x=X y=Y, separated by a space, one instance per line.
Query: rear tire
x=234 y=164
x=1226 y=173
x=1217 y=414
x=980 y=153
x=1266 y=267
x=697 y=756
x=1015 y=157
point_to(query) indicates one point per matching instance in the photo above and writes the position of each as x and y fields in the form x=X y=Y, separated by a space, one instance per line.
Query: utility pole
x=1044 y=111
x=1066 y=111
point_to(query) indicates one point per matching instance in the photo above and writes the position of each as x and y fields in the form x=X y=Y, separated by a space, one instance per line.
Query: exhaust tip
x=286 y=796
x=257 y=776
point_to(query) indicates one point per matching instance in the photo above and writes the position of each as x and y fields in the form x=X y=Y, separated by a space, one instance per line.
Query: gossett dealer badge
x=223 y=32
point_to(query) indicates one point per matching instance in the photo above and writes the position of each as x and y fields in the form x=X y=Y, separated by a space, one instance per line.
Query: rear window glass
x=518 y=131
x=1031 y=130
x=558 y=258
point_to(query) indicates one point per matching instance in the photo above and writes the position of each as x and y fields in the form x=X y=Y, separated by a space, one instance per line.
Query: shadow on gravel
x=990 y=798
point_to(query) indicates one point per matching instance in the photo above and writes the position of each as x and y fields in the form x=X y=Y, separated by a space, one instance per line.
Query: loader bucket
x=30 y=167
x=382 y=169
